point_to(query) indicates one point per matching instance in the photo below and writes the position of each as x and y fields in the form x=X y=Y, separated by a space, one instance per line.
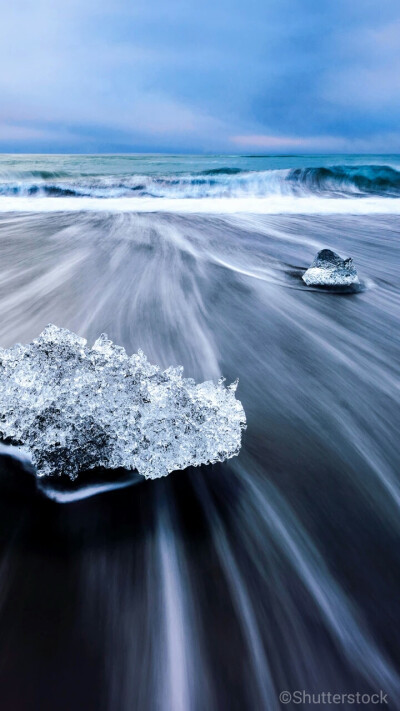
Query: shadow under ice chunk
x=73 y=408
x=328 y=269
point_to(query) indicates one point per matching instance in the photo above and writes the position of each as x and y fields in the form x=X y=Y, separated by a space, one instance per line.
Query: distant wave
x=222 y=171
x=333 y=182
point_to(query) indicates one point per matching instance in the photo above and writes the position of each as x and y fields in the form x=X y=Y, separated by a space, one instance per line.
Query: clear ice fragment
x=329 y=269
x=74 y=408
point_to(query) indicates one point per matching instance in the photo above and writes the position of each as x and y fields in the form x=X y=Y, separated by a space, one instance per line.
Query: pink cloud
x=318 y=143
x=262 y=141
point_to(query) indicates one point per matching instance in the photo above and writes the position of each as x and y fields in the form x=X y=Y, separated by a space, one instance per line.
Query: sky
x=200 y=76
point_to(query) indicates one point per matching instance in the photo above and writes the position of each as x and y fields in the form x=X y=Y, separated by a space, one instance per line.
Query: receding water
x=219 y=587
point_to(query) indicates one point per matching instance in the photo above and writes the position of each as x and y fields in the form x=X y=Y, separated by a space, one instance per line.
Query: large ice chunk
x=328 y=269
x=73 y=408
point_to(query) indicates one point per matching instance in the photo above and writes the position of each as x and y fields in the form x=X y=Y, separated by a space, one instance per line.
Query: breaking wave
x=224 y=182
x=361 y=179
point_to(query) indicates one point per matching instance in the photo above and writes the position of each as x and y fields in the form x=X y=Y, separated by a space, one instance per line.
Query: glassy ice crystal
x=328 y=269
x=73 y=408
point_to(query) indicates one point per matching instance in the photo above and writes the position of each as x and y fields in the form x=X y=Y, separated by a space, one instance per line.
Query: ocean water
x=219 y=587
x=199 y=177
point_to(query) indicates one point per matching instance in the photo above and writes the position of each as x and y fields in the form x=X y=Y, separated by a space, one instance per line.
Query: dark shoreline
x=226 y=584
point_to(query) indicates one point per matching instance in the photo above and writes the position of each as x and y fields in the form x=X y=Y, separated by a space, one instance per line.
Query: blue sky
x=266 y=76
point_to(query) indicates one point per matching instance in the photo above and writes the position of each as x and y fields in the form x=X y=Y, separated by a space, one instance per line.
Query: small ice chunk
x=73 y=408
x=328 y=269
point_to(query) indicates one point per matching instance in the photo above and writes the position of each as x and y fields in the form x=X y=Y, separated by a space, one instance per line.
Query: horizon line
x=199 y=154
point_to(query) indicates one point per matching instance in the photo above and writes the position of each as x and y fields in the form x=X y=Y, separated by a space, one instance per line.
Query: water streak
x=222 y=586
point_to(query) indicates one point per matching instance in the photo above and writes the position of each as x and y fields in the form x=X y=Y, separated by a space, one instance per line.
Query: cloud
x=274 y=142
x=317 y=144
x=369 y=75
x=185 y=76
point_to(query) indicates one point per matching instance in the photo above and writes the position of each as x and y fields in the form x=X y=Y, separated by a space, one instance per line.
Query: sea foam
x=273 y=205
